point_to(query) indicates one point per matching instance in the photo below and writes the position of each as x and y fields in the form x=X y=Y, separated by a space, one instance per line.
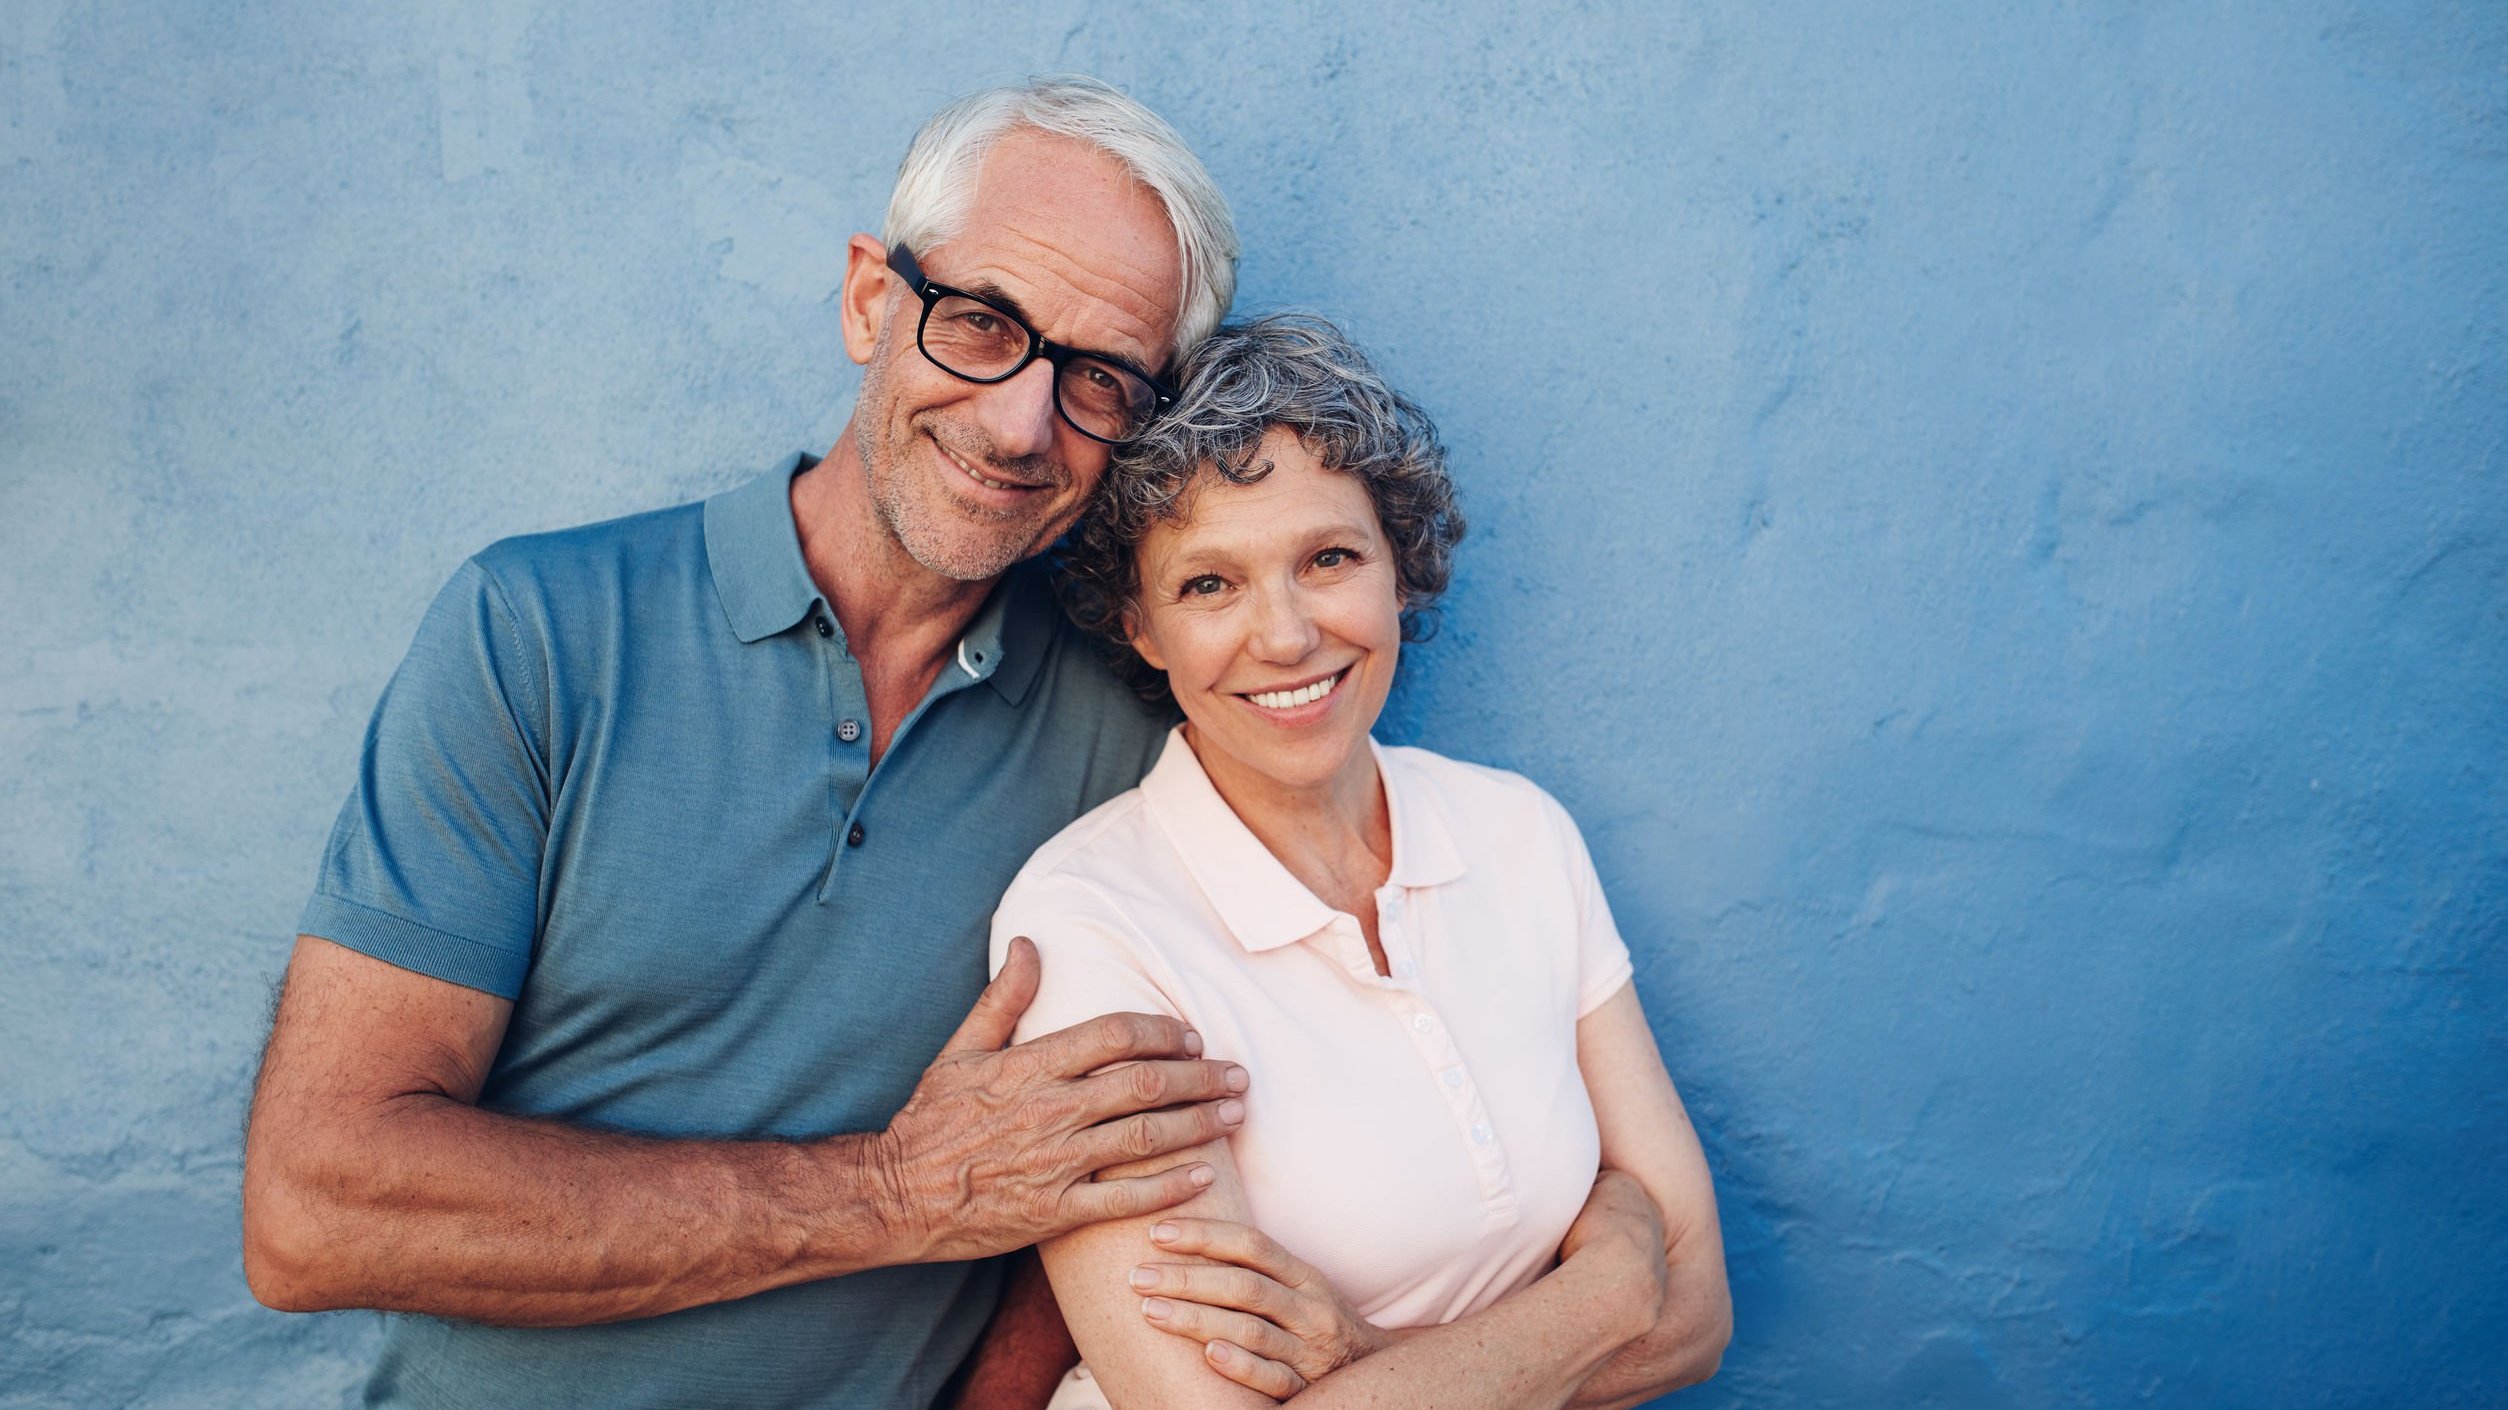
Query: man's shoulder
x=1083 y=683
x=597 y=561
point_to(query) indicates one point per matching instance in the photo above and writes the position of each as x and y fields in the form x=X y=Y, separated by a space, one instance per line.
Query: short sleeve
x=1602 y=963
x=1092 y=959
x=434 y=864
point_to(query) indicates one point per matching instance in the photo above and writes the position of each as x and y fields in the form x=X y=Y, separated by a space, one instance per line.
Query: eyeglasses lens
x=975 y=340
x=972 y=339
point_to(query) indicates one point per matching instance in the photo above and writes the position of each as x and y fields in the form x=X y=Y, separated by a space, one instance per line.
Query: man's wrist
x=860 y=1215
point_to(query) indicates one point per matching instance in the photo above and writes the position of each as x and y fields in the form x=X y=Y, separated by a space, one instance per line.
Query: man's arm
x=1025 y=1351
x=371 y=1178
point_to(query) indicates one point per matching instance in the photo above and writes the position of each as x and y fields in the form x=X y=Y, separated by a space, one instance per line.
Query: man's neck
x=901 y=619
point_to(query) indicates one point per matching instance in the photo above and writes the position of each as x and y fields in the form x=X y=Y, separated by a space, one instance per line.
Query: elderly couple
x=638 y=1048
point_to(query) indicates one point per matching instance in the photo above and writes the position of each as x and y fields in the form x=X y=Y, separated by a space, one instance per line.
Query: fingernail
x=1145 y=1277
x=1217 y=1351
x=1192 y=1043
x=1155 y=1308
x=1237 y=1080
x=1231 y=1112
x=1202 y=1175
x=1166 y=1233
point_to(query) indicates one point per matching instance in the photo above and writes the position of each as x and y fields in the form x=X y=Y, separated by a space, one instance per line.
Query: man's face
x=971 y=478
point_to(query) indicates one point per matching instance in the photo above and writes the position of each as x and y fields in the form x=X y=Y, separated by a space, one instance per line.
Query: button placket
x=1434 y=1042
x=848 y=771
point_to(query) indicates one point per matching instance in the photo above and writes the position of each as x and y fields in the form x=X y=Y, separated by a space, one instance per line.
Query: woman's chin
x=1296 y=759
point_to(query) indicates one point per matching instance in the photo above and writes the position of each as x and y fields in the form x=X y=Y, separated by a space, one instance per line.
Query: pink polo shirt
x=1424 y=1140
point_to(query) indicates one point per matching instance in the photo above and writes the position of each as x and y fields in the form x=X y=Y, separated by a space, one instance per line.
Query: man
x=634 y=1037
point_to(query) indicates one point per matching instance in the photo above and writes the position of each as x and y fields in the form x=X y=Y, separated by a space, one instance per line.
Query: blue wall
x=1992 y=516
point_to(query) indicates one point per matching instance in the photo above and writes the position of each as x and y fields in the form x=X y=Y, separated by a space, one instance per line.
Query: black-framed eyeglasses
x=976 y=340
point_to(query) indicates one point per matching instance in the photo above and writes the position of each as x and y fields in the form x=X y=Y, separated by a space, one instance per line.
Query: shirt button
x=1481 y=1134
x=849 y=730
x=853 y=835
x=1405 y=970
x=1454 y=1077
x=1424 y=1023
x=823 y=628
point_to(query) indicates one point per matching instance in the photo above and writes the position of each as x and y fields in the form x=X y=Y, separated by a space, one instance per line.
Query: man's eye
x=980 y=322
x=1336 y=557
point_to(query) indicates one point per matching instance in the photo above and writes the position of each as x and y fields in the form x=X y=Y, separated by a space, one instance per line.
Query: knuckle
x=1142 y=1033
x=1254 y=1294
x=1146 y=1083
x=1139 y=1138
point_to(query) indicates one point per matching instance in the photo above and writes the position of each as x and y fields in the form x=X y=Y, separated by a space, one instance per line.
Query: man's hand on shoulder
x=1000 y=1147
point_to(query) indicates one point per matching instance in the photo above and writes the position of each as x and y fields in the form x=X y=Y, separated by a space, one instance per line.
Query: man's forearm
x=426 y=1204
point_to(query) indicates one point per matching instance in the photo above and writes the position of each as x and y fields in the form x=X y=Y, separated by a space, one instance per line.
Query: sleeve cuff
x=411 y=946
x=1604 y=986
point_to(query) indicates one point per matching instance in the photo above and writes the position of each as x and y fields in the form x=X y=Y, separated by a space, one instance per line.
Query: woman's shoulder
x=1092 y=843
x=1462 y=789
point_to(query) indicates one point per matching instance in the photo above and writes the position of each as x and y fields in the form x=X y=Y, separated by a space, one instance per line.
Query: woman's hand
x=1269 y=1322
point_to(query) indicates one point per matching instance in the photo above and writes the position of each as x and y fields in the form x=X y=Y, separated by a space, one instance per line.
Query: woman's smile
x=1288 y=703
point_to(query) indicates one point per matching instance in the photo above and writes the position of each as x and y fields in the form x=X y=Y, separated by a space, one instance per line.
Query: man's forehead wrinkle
x=1087 y=252
x=1115 y=297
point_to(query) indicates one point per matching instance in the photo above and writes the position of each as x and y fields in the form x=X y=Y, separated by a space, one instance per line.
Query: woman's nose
x=1284 y=628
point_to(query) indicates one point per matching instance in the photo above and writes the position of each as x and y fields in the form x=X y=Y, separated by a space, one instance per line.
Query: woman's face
x=1275 y=611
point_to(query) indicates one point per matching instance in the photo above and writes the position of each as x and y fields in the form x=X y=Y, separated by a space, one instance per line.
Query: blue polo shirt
x=623 y=779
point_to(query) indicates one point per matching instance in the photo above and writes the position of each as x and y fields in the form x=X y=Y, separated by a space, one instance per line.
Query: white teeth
x=1303 y=695
x=972 y=475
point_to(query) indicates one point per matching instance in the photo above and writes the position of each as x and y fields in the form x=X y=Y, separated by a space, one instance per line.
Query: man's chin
x=968 y=558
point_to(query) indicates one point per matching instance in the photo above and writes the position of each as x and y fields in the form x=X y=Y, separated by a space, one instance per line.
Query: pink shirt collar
x=1262 y=904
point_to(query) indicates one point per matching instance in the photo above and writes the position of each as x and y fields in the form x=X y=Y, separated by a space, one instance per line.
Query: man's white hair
x=936 y=182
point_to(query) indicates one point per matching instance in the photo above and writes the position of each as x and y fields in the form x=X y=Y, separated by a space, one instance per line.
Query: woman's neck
x=1336 y=836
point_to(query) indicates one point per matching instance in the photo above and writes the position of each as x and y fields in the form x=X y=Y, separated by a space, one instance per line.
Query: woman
x=1458 y=1114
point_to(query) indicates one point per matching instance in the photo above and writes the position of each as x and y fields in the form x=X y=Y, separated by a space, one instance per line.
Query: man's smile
x=978 y=476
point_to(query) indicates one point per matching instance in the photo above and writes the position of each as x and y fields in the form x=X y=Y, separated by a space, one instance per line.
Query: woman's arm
x=1646 y=1133
x=1534 y=1349
x=1301 y=1330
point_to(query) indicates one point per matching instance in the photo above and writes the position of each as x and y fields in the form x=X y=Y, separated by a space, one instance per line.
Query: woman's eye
x=1202 y=586
x=1335 y=557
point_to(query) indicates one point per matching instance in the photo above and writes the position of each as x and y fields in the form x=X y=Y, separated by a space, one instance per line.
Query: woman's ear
x=1142 y=646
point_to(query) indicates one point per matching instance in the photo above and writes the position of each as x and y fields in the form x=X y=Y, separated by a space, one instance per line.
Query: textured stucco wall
x=1992 y=515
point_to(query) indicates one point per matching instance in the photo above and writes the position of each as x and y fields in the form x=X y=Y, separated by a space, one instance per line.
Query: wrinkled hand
x=997 y=1147
x=1622 y=1227
x=1265 y=1319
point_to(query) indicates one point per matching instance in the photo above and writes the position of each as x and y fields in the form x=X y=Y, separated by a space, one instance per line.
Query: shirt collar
x=765 y=586
x=1261 y=903
x=755 y=554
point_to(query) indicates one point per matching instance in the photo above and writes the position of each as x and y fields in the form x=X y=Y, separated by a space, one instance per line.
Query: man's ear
x=864 y=299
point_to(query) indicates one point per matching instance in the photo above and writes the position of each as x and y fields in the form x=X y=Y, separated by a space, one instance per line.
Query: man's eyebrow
x=1008 y=303
x=1000 y=298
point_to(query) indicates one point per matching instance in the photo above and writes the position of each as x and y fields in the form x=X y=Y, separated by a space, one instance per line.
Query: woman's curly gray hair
x=1287 y=371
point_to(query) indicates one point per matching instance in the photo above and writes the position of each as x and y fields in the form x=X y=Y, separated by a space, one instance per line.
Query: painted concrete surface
x=1993 y=517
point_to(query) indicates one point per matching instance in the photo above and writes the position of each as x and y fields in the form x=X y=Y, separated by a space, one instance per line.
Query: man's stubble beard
x=918 y=524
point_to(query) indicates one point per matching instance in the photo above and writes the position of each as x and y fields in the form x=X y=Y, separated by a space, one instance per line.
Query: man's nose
x=1019 y=414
